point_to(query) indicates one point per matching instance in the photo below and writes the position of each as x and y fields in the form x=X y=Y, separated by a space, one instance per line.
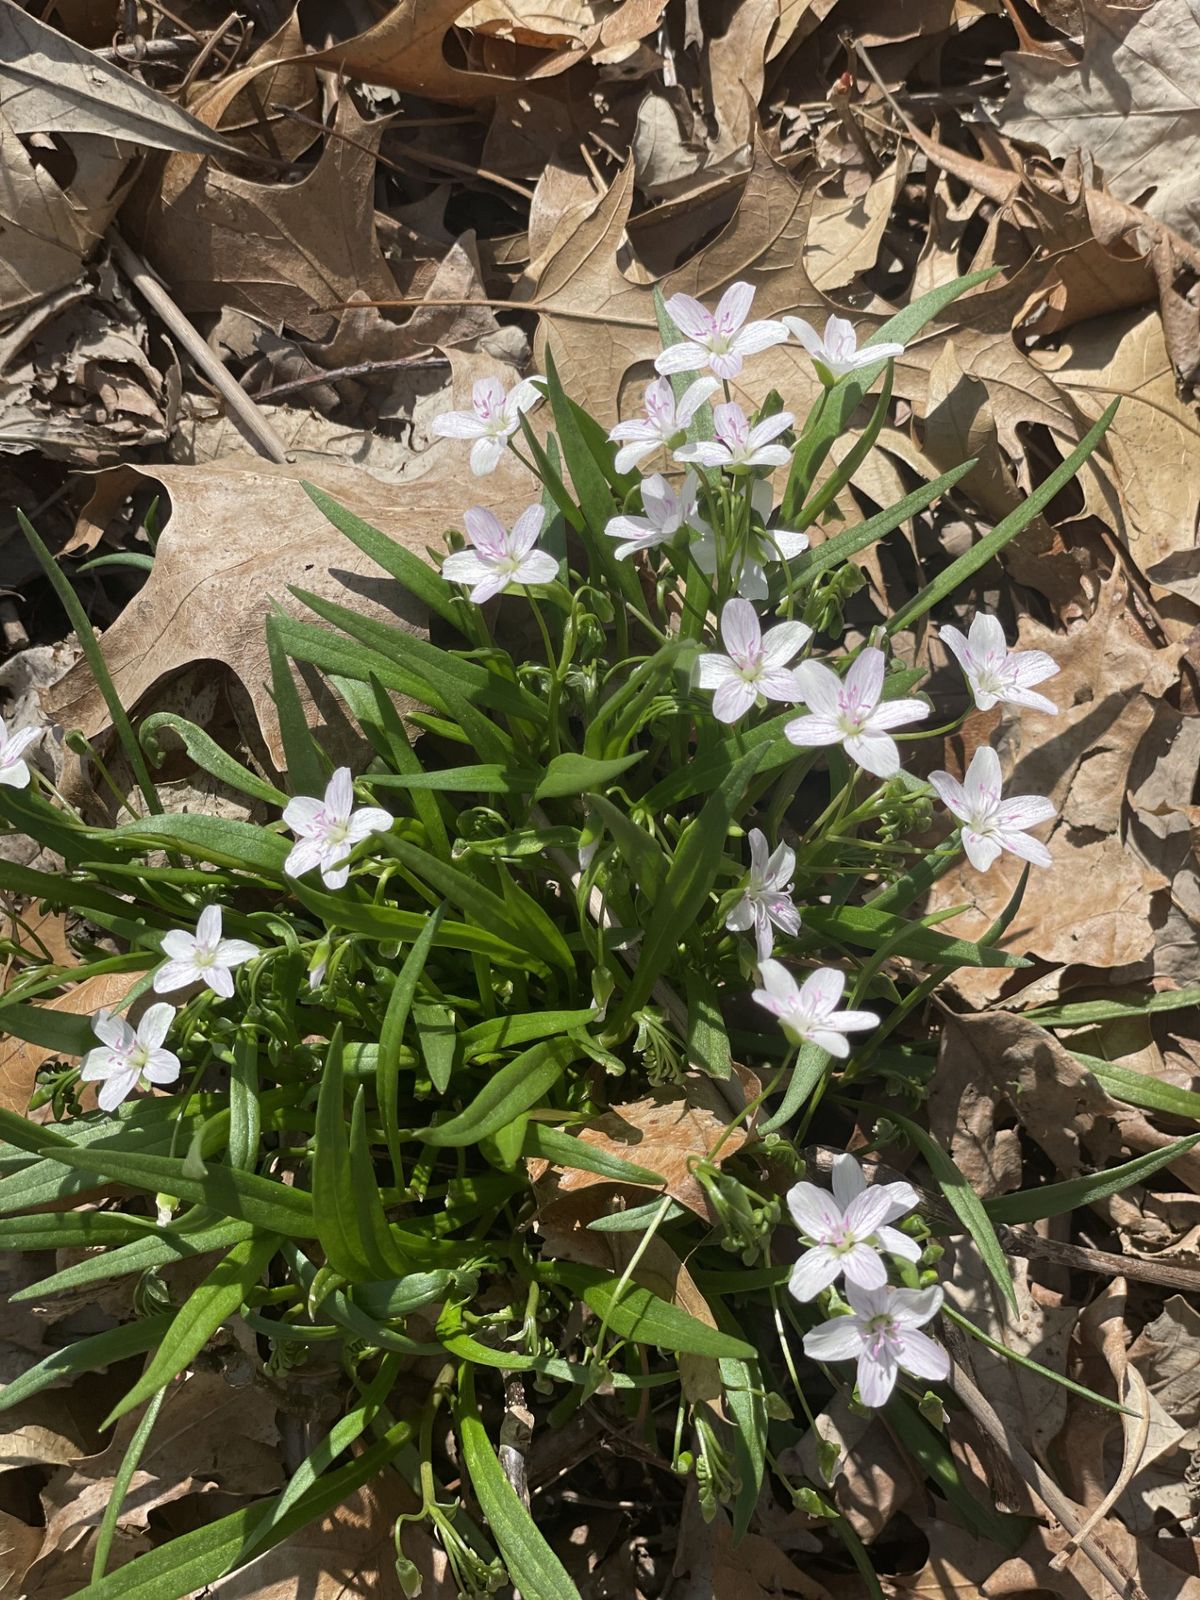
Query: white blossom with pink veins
x=883 y=1335
x=755 y=664
x=14 y=769
x=990 y=822
x=667 y=510
x=848 y=1229
x=721 y=339
x=202 y=957
x=498 y=557
x=491 y=422
x=808 y=1012
x=328 y=829
x=994 y=672
x=665 y=420
x=125 y=1058
x=737 y=444
x=851 y=711
x=766 y=902
x=838 y=353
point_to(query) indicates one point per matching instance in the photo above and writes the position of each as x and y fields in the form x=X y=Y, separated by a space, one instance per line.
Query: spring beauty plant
x=637 y=822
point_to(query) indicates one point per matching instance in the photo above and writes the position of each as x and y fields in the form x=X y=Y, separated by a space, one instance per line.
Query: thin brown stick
x=1043 y=1487
x=360 y=369
x=246 y=413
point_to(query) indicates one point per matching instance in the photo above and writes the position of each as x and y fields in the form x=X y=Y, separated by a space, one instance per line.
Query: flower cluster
x=849 y=1233
x=326 y=831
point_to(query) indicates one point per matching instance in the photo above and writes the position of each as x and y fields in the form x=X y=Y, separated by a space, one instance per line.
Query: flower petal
x=864 y=1267
x=299 y=814
x=232 y=952
x=866 y=1212
x=912 y=1308
x=179 y=945
x=740 y=630
x=339 y=794
x=113 y=1031
x=155 y=1024
x=876 y=1377
x=303 y=857
x=986 y=636
x=814 y=1211
x=692 y=319
x=630 y=455
x=208 y=926
x=682 y=358
x=733 y=699
x=784 y=641
x=1022 y=845
x=839 y=1339
x=706 y=452
x=526 y=530
x=950 y=792
x=864 y=680
x=898 y=1244
x=457 y=425
x=116 y=1089
x=810 y=732
x=806 y=334
x=756 y=336
x=896 y=713
x=815 y=1270
x=485 y=456
x=539 y=566
x=847 y=1179
x=161 y=1066
x=822 y=990
x=982 y=849
x=921 y=1356
x=219 y=980
x=693 y=397
x=174 y=975
x=875 y=753
x=820 y=687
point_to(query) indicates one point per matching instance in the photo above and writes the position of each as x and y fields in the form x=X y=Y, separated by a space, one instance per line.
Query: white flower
x=500 y=558
x=882 y=1335
x=492 y=420
x=328 y=830
x=125 y=1058
x=737 y=443
x=808 y=1011
x=665 y=422
x=767 y=898
x=764 y=546
x=14 y=769
x=996 y=674
x=991 y=823
x=717 y=340
x=756 y=663
x=848 y=1229
x=838 y=353
x=202 y=957
x=848 y=711
x=667 y=510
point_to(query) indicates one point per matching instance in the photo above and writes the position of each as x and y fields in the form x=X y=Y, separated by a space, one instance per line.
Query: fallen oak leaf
x=246 y=526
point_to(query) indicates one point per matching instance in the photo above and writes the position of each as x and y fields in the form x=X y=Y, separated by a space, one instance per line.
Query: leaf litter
x=479 y=176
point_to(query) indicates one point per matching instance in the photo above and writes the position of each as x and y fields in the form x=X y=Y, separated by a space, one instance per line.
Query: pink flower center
x=881 y=1335
x=853 y=710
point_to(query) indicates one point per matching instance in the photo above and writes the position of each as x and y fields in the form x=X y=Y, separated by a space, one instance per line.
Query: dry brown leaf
x=1093 y=906
x=19 y=1546
x=286 y=253
x=48 y=231
x=1134 y=102
x=871 y=1478
x=664 y=1132
x=848 y=229
x=710 y=1565
x=51 y=85
x=247 y=526
x=19 y=1061
x=406 y=50
x=1154 y=440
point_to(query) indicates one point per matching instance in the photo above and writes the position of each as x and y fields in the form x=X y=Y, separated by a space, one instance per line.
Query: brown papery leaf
x=246 y=527
x=664 y=1132
x=1134 y=101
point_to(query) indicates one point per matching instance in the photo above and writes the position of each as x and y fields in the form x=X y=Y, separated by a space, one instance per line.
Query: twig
x=254 y=425
x=148 y=50
x=360 y=369
x=1043 y=1486
x=12 y=629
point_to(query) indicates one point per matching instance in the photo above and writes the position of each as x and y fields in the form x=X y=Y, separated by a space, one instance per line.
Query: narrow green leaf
x=222 y=841
x=437 y=1033
x=870 y=929
x=1080 y=1013
x=533 y=1567
x=568 y=1150
x=571 y=774
x=502 y=1033
x=208 y=756
x=306 y=772
x=1140 y=1089
x=154 y=1249
x=514 y=1089
x=1007 y=1533
x=416 y=574
x=391 y=1036
x=333 y=1180
x=642 y=1317
x=218 y=1297
x=87 y=1355
x=966 y=1204
x=991 y=544
x=1055 y=1199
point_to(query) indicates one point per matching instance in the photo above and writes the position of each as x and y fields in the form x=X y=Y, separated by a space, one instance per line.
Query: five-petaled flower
x=717 y=339
x=667 y=510
x=492 y=420
x=883 y=1335
x=990 y=822
x=995 y=673
x=755 y=663
x=838 y=353
x=327 y=830
x=14 y=769
x=848 y=1229
x=849 y=711
x=665 y=423
x=500 y=558
x=737 y=443
x=766 y=901
x=202 y=957
x=123 y=1059
x=808 y=1012
x=763 y=547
